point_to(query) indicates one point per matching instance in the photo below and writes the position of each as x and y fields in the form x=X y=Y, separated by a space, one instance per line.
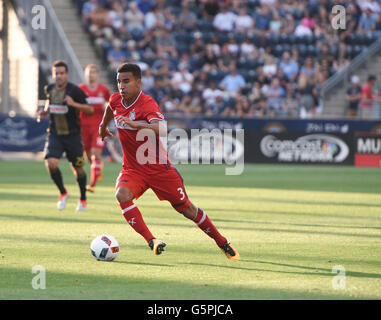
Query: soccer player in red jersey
x=134 y=111
x=98 y=96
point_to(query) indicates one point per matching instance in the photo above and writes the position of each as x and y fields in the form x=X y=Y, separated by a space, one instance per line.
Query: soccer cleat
x=81 y=206
x=62 y=199
x=90 y=188
x=230 y=252
x=156 y=245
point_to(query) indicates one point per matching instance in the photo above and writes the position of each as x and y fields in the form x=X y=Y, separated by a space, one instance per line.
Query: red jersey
x=366 y=94
x=97 y=98
x=143 y=109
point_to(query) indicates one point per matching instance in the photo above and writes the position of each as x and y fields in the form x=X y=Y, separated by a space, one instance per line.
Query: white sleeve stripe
x=155 y=119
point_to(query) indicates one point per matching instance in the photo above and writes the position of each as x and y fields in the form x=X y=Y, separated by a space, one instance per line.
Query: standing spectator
x=353 y=97
x=367 y=97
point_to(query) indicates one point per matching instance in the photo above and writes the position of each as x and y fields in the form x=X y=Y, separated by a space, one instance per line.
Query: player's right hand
x=41 y=114
x=104 y=133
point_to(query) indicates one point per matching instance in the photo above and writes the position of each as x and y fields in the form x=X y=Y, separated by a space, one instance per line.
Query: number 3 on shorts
x=181 y=192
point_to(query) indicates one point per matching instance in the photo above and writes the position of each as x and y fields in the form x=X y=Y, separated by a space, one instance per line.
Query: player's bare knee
x=123 y=194
x=51 y=164
x=190 y=212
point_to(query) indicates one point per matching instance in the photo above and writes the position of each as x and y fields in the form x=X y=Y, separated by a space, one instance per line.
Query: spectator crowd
x=236 y=58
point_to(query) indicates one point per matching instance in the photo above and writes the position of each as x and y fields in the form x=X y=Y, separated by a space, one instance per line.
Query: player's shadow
x=310 y=270
x=144 y=263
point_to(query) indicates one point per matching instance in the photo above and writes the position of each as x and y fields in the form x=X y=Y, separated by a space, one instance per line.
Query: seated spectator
x=244 y=22
x=187 y=18
x=276 y=23
x=274 y=94
x=154 y=18
x=303 y=29
x=270 y=67
x=233 y=82
x=260 y=109
x=87 y=9
x=243 y=109
x=248 y=50
x=165 y=43
x=289 y=105
x=116 y=19
x=216 y=108
x=290 y=67
x=224 y=20
x=148 y=80
x=308 y=69
x=134 y=17
x=99 y=16
x=263 y=19
x=306 y=95
x=210 y=94
x=182 y=80
x=308 y=20
x=190 y=104
x=368 y=21
x=210 y=9
x=145 y=6
x=116 y=55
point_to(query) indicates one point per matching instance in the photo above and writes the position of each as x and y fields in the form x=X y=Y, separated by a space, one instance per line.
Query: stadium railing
x=50 y=42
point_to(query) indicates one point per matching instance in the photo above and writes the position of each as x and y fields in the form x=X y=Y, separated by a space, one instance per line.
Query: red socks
x=134 y=218
x=203 y=222
x=95 y=170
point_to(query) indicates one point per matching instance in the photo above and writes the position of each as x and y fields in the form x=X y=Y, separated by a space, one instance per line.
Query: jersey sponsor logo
x=96 y=100
x=58 y=109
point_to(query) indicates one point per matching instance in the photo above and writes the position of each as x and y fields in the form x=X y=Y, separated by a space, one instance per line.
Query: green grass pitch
x=291 y=225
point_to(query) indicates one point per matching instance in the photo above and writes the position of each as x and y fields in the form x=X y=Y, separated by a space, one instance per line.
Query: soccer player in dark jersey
x=64 y=103
x=132 y=111
x=98 y=96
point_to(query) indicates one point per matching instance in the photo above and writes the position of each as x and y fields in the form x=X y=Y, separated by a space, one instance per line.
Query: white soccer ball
x=104 y=248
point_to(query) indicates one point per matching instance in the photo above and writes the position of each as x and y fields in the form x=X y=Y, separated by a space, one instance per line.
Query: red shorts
x=167 y=185
x=91 y=138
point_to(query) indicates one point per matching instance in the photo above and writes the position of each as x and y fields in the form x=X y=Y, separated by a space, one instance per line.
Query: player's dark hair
x=130 y=67
x=372 y=77
x=60 y=63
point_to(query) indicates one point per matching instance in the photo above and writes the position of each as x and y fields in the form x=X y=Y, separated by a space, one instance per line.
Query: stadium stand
x=246 y=58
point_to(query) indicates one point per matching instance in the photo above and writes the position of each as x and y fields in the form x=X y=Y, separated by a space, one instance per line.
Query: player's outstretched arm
x=85 y=108
x=107 y=117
